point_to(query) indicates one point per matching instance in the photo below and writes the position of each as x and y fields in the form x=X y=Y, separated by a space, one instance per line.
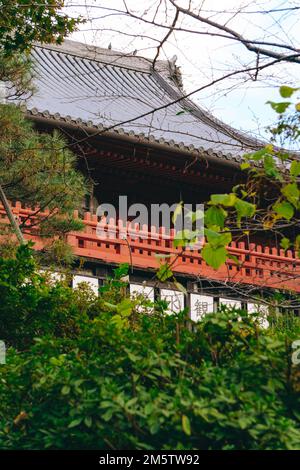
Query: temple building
x=136 y=135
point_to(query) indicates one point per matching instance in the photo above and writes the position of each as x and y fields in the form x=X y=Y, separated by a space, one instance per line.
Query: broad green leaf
x=295 y=168
x=285 y=243
x=217 y=239
x=75 y=422
x=245 y=166
x=110 y=306
x=186 y=425
x=195 y=215
x=284 y=209
x=164 y=273
x=184 y=237
x=258 y=155
x=121 y=270
x=287 y=91
x=269 y=148
x=117 y=320
x=177 y=212
x=125 y=307
x=225 y=238
x=154 y=427
x=178 y=241
x=280 y=108
x=215 y=216
x=292 y=193
x=244 y=209
x=233 y=258
x=214 y=257
x=297 y=242
x=227 y=200
x=270 y=166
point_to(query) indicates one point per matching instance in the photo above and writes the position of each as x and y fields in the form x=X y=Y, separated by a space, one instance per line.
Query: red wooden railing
x=125 y=243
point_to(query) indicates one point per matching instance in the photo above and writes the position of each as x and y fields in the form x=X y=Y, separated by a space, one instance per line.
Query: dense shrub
x=30 y=306
x=124 y=379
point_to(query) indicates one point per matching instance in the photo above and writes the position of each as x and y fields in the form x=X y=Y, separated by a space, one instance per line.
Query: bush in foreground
x=124 y=379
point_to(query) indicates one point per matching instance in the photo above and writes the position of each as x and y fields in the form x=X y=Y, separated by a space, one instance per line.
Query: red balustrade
x=122 y=242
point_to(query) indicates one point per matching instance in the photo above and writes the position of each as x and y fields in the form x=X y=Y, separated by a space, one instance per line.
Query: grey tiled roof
x=109 y=90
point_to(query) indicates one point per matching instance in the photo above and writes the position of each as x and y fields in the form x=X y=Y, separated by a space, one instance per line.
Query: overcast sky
x=200 y=57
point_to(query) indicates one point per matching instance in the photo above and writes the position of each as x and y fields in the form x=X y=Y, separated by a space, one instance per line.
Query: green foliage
x=214 y=256
x=16 y=73
x=272 y=174
x=39 y=170
x=280 y=108
x=29 y=305
x=22 y=23
x=284 y=209
x=215 y=216
x=119 y=373
x=287 y=91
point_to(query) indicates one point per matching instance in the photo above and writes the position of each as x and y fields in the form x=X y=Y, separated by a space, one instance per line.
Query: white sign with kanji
x=201 y=305
x=92 y=282
x=52 y=276
x=174 y=298
x=230 y=303
x=262 y=311
x=146 y=291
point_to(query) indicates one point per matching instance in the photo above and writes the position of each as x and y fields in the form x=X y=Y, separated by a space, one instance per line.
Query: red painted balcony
x=260 y=266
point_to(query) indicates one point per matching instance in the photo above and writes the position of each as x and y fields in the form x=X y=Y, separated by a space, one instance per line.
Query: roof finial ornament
x=174 y=71
x=109 y=46
x=172 y=62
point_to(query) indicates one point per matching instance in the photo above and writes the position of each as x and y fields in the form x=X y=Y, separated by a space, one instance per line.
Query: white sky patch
x=202 y=58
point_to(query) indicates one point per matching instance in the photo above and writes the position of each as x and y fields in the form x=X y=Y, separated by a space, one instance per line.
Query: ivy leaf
x=195 y=215
x=287 y=91
x=280 y=108
x=184 y=237
x=124 y=308
x=297 y=243
x=258 y=155
x=285 y=243
x=179 y=241
x=292 y=193
x=214 y=257
x=270 y=167
x=215 y=216
x=284 y=209
x=110 y=305
x=186 y=425
x=177 y=212
x=245 y=166
x=216 y=239
x=295 y=168
x=244 y=209
x=234 y=258
x=227 y=200
x=164 y=273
